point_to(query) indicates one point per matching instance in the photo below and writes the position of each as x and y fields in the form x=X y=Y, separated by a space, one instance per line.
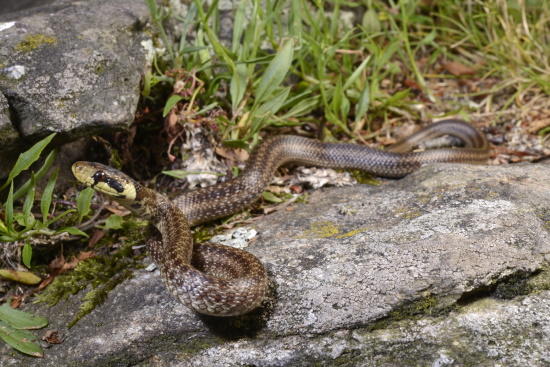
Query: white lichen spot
x=7 y=25
x=15 y=72
x=151 y=50
x=151 y=267
x=238 y=238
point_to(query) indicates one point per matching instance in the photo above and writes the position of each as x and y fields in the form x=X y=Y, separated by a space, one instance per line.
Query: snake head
x=105 y=179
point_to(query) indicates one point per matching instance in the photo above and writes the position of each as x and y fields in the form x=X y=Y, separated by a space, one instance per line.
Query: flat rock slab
x=356 y=274
x=73 y=68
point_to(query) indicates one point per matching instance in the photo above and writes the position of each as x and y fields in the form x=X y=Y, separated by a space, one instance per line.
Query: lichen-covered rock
x=73 y=67
x=448 y=266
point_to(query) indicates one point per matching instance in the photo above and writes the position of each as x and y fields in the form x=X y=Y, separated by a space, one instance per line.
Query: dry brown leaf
x=96 y=236
x=539 y=125
x=53 y=337
x=226 y=152
x=458 y=69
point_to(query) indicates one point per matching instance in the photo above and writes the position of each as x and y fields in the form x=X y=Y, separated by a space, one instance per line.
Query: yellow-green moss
x=31 y=42
x=363 y=177
x=102 y=273
x=325 y=229
x=321 y=229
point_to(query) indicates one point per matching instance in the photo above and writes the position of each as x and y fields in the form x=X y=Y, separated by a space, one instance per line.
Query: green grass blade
x=29 y=200
x=83 y=202
x=363 y=103
x=275 y=73
x=47 y=195
x=356 y=73
x=237 y=87
x=9 y=207
x=171 y=103
x=238 y=25
x=38 y=175
x=303 y=107
x=27 y=158
x=273 y=105
x=71 y=230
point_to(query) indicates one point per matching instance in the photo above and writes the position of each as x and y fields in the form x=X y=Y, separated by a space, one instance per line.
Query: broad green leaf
x=171 y=103
x=72 y=230
x=26 y=254
x=113 y=222
x=356 y=73
x=237 y=87
x=397 y=97
x=22 y=340
x=389 y=51
x=272 y=105
x=37 y=176
x=363 y=103
x=238 y=25
x=344 y=107
x=20 y=319
x=9 y=207
x=428 y=39
x=336 y=102
x=207 y=108
x=183 y=174
x=46 y=200
x=3 y=228
x=83 y=202
x=303 y=107
x=27 y=158
x=275 y=73
x=236 y=143
x=53 y=220
x=271 y=198
x=25 y=277
x=29 y=201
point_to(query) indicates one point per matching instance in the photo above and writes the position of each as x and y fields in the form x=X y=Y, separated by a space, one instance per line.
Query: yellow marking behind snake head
x=106 y=180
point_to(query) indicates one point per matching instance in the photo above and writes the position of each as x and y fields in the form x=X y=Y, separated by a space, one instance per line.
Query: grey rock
x=8 y=135
x=73 y=67
x=412 y=272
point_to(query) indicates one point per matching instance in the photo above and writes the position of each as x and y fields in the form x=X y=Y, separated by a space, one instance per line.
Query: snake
x=218 y=280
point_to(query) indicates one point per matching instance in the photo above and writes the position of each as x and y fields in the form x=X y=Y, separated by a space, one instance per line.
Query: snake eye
x=99 y=176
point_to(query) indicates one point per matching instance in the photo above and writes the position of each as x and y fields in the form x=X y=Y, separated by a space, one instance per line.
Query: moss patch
x=102 y=273
x=31 y=42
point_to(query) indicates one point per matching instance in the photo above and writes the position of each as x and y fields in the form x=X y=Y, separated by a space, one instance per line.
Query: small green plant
x=14 y=330
x=18 y=226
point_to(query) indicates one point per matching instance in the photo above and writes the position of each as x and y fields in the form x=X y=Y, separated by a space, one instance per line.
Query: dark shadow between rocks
x=509 y=287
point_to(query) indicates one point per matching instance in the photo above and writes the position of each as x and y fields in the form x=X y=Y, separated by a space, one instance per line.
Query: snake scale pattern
x=224 y=281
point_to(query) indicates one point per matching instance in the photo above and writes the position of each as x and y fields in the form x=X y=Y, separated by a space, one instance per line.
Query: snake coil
x=224 y=281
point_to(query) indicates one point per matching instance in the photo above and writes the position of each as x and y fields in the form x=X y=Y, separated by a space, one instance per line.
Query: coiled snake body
x=224 y=281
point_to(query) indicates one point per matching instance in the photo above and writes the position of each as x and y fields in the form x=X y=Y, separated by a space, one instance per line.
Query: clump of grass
x=505 y=39
x=294 y=62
